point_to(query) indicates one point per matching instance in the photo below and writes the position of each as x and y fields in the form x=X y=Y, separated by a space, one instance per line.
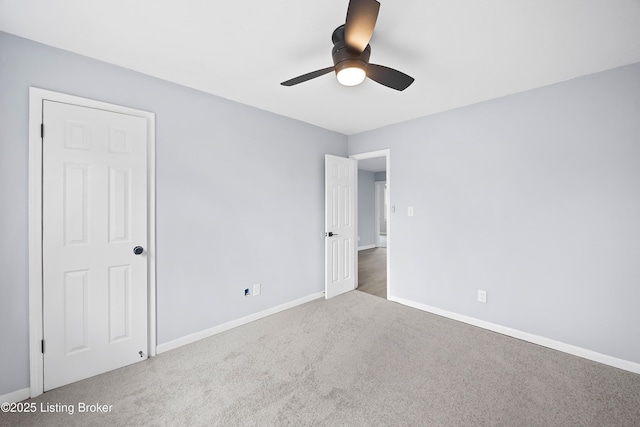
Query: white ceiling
x=459 y=51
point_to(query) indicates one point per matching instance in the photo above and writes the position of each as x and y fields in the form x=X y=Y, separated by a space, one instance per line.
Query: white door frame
x=372 y=154
x=36 y=98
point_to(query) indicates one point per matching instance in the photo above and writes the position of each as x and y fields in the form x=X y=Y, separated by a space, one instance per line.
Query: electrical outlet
x=256 y=289
x=482 y=296
x=246 y=292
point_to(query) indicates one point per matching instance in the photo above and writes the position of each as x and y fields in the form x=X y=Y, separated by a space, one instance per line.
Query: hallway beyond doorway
x=372 y=272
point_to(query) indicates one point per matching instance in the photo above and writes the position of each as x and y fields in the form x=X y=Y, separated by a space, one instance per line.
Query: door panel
x=119 y=302
x=119 y=205
x=94 y=213
x=75 y=203
x=339 y=225
x=76 y=310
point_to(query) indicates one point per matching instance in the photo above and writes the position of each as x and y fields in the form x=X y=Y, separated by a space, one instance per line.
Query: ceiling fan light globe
x=351 y=76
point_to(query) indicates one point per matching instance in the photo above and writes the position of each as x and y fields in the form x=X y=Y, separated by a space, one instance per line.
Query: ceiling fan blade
x=308 y=76
x=361 y=20
x=389 y=77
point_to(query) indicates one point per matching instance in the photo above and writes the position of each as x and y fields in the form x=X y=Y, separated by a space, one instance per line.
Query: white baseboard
x=191 y=338
x=525 y=336
x=362 y=248
x=15 y=396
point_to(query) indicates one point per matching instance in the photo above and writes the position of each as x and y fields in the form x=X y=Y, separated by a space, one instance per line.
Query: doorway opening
x=373 y=222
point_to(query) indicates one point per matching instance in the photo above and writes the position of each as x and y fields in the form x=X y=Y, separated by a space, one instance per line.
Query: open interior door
x=340 y=227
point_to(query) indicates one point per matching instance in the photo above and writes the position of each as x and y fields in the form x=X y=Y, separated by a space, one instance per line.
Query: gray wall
x=239 y=197
x=533 y=197
x=380 y=176
x=366 y=209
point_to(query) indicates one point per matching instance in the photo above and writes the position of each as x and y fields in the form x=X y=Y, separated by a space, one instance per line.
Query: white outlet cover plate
x=482 y=296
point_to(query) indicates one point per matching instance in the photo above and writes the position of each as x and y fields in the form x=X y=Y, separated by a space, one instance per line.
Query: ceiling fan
x=351 y=51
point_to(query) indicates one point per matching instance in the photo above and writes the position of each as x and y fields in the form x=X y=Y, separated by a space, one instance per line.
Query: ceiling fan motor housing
x=345 y=58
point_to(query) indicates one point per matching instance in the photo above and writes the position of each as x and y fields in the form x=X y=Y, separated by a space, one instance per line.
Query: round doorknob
x=138 y=250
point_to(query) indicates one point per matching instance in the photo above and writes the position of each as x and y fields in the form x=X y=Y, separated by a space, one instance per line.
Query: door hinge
x=41 y=130
x=42 y=346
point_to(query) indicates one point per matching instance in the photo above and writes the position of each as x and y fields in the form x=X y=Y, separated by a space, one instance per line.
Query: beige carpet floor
x=355 y=360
